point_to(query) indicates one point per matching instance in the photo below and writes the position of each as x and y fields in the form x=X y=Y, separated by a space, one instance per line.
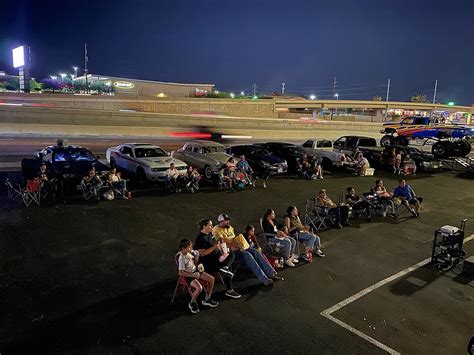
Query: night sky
x=235 y=44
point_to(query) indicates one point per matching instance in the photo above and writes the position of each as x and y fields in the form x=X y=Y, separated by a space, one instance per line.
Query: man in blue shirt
x=408 y=197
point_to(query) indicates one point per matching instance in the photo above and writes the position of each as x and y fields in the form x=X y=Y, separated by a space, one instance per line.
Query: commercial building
x=148 y=88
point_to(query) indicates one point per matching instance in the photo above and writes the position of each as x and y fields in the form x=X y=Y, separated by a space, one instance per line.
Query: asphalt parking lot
x=84 y=278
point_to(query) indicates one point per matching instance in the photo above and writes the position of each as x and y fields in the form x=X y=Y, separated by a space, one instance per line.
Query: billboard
x=18 y=57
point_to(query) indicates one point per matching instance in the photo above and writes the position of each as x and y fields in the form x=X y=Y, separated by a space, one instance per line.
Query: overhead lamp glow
x=312 y=97
x=232 y=95
x=451 y=103
x=242 y=93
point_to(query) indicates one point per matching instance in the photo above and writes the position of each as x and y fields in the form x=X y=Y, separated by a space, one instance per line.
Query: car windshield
x=149 y=152
x=260 y=151
x=74 y=155
x=294 y=149
x=213 y=149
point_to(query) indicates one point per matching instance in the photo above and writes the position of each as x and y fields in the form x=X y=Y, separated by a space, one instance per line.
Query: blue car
x=260 y=160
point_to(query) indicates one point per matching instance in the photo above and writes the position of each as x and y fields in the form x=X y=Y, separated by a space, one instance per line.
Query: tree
x=13 y=84
x=35 y=86
x=377 y=98
x=419 y=98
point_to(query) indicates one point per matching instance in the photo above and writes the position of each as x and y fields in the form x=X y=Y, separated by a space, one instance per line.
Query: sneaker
x=276 y=277
x=320 y=177
x=384 y=214
x=306 y=258
x=264 y=184
x=338 y=226
x=193 y=306
x=232 y=294
x=268 y=282
x=289 y=263
x=209 y=302
x=225 y=270
x=191 y=189
x=320 y=253
x=295 y=258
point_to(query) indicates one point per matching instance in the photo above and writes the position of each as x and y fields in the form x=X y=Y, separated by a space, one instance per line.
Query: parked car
x=260 y=159
x=207 y=156
x=292 y=153
x=381 y=158
x=71 y=163
x=148 y=162
x=323 y=150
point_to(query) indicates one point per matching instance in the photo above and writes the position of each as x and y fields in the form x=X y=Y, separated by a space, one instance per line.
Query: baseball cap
x=322 y=190
x=223 y=217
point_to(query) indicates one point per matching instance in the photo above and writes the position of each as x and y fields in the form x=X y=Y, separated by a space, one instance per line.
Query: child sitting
x=187 y=259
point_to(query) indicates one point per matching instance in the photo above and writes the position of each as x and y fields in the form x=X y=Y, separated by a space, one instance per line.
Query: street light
x=312 y=97
x=232 y=95
x=75 y=71
x=53 y=77
x=62 y=75
x=336 y=95
x=242 y=93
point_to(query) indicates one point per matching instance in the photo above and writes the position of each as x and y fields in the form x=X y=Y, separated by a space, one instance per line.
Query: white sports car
x=146 y=161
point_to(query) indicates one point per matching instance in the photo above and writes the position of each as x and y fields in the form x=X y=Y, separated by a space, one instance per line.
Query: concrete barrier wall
x=230 y=107
x=28 y=120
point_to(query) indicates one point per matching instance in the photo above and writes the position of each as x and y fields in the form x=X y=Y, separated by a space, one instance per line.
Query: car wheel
x=400 y=140
x=465 y=147
x=326 y=164
x=207 y=172
x=386 y=141
x=113 y=163
x=141 y=176
x=441 y=149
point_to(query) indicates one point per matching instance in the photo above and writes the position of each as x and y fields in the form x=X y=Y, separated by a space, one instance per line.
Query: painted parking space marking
x=327 y=313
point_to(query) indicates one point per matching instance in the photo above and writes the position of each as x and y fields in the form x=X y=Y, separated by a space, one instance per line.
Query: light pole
x=336 y=95
x=75 y=71
x=53 y=78
x=62 y=75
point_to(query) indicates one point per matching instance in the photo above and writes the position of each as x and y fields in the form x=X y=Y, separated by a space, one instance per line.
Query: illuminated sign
x=124 y=85
x=18 y=57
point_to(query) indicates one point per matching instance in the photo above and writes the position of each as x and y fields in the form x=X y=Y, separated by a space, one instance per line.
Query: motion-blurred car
x=292 y=153
x=207 y=156
x=260 y=159
x=71 y=163
x=147 y=162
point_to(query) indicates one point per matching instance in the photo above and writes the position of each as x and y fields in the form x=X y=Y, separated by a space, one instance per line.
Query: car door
x=126 y=159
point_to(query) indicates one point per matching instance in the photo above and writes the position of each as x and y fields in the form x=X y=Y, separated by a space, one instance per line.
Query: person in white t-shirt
x=195 y=276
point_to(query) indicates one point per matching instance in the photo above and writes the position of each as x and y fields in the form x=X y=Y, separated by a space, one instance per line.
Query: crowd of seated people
x=310 y=168
x=218 y=251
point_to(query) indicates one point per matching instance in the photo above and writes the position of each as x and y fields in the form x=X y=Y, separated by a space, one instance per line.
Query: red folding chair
x=181 y=284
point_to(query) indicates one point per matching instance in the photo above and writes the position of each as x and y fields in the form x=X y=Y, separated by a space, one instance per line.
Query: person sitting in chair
x=279 y=237
x=211 y=256
x=51 y=184
x=247 y=256
x=357 y=203
x=311 y=241
x=192 y=179
x=408 y=198
x=244 y=167
x=384 y=197
x=116 y=182
x=340 y=213
x=362 y=164
x=173 y=179
x=93 y=183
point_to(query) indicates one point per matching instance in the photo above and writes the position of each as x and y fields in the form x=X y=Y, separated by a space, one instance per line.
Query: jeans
x=289 y=244
x=340 y=213
x=255 y=262
x=309 y=239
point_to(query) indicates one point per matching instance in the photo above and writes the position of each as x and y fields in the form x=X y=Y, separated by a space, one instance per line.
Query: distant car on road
x=207 y=156
x=148 y=162
x=71 y=163
x=260 y=160
x=292 y=153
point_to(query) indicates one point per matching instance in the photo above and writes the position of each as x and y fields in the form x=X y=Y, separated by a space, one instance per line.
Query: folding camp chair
x=27 y=195
x=317 y=217
x=181 y=284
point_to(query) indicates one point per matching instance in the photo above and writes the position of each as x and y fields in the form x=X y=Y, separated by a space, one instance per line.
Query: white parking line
x=327 y=312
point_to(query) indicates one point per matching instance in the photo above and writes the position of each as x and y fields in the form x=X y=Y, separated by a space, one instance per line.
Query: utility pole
x=283 y=88
x=86 y=59
x=334 y=87
x=435 y=90
x=254 y=89
x=386 y=99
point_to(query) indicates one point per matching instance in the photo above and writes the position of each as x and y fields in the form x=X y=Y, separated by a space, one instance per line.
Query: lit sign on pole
x=18 y=57
x=124 y=85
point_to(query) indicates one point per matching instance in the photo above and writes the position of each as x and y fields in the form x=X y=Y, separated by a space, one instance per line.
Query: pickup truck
x=323 y=150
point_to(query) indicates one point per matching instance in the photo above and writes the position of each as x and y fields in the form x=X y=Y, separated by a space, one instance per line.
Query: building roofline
x=142 y=80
